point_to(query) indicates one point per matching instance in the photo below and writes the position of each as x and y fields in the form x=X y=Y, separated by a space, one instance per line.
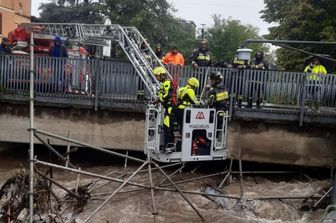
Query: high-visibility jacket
x=218 y=97
x=186 y=97
x=176 y=59
x=167 y=96
x=315 y=72
x=237 y=63
x=166 y=93
x=201 y=57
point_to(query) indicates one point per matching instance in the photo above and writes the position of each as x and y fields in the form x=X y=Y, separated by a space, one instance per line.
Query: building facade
x=12 y=13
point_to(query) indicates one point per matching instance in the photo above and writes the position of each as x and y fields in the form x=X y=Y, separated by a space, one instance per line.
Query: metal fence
x=117 y=81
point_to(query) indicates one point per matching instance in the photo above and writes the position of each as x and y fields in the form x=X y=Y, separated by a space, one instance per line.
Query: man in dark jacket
x=201 y=57
x=259 y=61
x=257 y=82
x=158 y=51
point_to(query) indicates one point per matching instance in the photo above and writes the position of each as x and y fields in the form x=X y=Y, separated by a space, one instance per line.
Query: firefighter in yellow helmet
x=167 y=97
x=186 y=97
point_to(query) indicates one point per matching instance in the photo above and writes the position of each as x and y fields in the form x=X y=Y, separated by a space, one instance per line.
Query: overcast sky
x=201 y=11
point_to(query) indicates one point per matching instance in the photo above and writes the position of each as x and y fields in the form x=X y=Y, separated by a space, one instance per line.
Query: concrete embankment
x=255 y=141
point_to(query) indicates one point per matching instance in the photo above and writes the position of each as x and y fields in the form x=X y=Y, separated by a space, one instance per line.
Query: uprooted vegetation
x=49 y=205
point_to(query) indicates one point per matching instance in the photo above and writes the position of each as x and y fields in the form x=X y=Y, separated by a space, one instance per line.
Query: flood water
x=137 y=206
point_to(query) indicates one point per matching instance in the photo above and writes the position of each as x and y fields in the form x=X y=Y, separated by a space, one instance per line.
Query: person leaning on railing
x=315 y=72
x=240 y=65
x=201 y=57
x=256 y=84
x=175 y=61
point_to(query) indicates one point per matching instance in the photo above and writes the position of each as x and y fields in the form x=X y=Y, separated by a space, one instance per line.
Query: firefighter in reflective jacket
x=201 y=57
x=186 y=97
x=218 y=95
x=167 y=97
x=240 y=65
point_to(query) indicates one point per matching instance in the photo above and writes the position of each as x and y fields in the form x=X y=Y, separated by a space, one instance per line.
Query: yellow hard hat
x=193 y=82
x=159 y=70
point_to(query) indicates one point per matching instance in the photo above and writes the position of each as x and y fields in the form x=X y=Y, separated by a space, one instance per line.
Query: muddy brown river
x=136 y=206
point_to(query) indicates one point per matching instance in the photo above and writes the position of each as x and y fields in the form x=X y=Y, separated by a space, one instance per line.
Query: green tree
x=153 y=19
x=301 y=20
x=69 y=11
x=180 y=33
x=227 y=35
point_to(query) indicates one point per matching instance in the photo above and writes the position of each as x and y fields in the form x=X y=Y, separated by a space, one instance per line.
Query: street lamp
x=202 y=30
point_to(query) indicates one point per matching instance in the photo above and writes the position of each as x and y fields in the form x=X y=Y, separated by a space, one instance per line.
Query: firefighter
x=256 y=84
x=315 y=71
x=167 y=97
x=201 y=57
x=218 y=97
x=240 y=65
x=259 y=61
x=218 y=94
x=186 y=97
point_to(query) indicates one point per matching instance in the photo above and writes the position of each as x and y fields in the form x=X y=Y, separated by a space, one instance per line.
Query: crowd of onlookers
x=201 y=57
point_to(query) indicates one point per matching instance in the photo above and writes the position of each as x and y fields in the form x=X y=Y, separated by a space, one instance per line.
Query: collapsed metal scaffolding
x=166 y=183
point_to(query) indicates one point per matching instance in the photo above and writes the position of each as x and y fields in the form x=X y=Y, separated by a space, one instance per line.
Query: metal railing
x=118 y=81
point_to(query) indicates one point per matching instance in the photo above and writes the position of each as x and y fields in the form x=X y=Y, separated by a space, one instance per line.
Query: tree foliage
x=301 y=20
x=227 y=35
x=154 y=19
x=64 y=11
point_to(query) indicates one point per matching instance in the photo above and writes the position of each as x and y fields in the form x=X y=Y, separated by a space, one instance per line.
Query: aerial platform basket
x=202 y=138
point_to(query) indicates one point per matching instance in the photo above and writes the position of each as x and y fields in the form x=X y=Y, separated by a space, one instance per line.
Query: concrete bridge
x=98 y=102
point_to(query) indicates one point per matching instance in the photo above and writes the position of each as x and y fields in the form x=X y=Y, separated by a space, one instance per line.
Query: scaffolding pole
x=31 y=132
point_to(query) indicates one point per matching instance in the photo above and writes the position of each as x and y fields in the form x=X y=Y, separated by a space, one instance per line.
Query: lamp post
x=202 y=30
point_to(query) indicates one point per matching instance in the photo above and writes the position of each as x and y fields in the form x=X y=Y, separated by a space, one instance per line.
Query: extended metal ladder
x=129 y=39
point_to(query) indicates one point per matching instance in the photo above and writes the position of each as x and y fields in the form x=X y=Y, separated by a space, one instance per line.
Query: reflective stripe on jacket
x=201 y=58
x=166 y=92
x=218 y=97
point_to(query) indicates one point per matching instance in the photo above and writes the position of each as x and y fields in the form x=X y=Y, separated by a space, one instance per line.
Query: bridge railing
x=273 y=87
x=110 y=80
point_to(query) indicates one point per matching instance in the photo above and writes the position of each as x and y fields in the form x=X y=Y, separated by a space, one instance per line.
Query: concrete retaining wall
x=254 y=141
